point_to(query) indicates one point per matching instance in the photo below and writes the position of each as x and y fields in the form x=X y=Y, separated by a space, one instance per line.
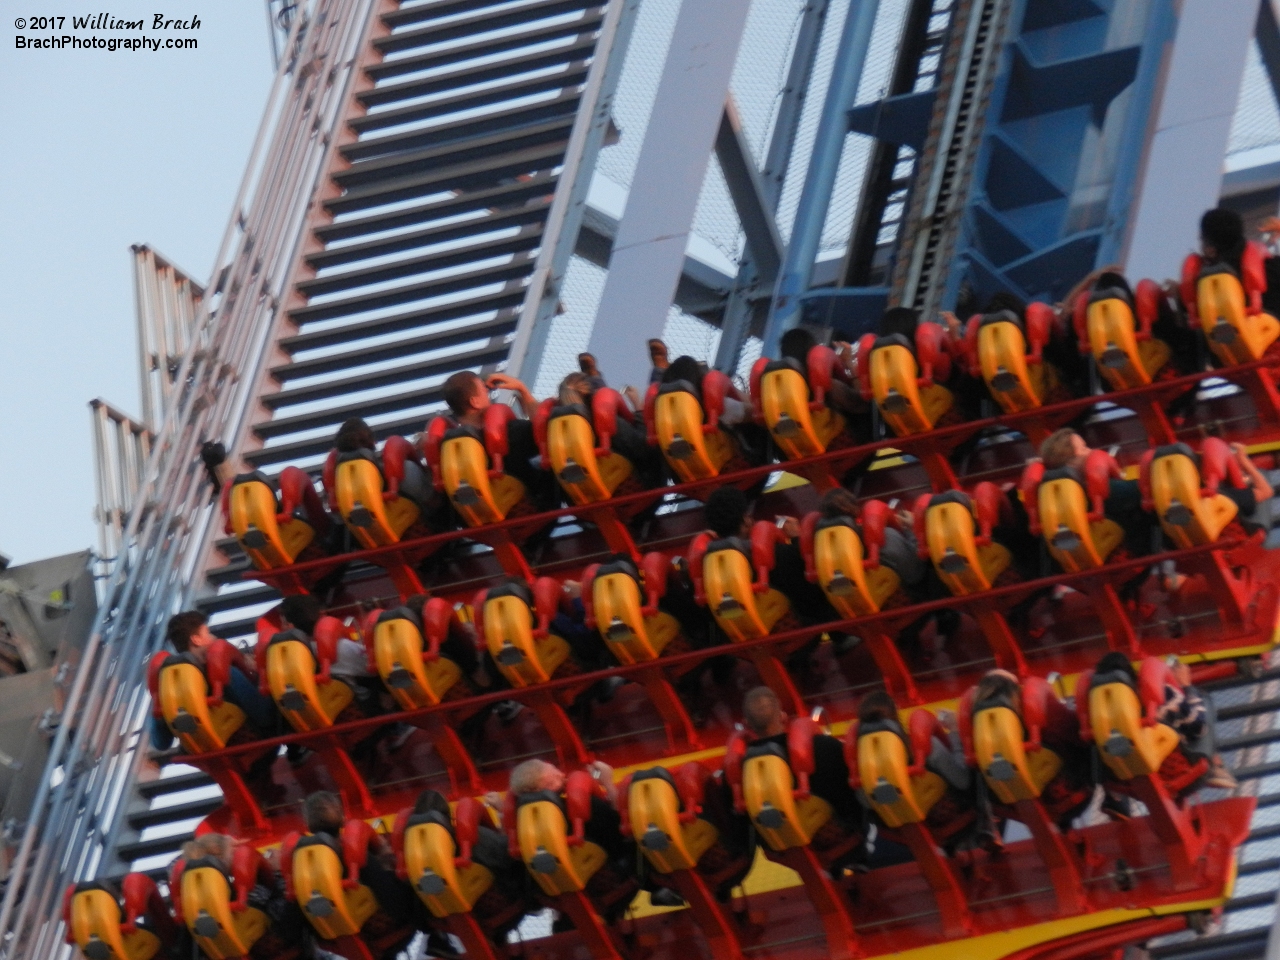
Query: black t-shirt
x=605 y=829
x=808 y=602
x=1243 y=497
x=830 y=777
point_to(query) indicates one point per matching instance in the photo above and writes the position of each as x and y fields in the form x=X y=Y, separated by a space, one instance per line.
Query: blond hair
x=215 y=845
x=529 y=776
x=574 y=389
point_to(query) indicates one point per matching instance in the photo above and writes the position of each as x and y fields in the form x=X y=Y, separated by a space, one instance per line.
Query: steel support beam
x=649 y=252
x=747 y=192
x=747 y=304
x=701 y=289
x=815 y=198
x=879 y=182
x=1182 y=173
x=560 y=232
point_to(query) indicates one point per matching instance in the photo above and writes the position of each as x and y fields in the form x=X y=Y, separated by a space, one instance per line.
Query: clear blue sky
x=103 y=150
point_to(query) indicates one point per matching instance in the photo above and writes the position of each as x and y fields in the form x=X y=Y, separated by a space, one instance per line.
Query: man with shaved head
x=766 y=721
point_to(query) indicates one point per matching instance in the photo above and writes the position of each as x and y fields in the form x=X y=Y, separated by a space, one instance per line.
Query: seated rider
x=969 y=391
x=1066 y=448
x=287 y=923
x=842 y=397
x=459 y=645
x=303 y=612
x=490 y=848
x=1169 y=325
x=189 y=634
x=737 y=417
x=1189 y=714
x=1252 y=506
x=659 y=359
x=356 y=436
x=958 y=820
x=728 y=514
x=766 y=721
x=604 y=827
x=468 y=397
x=354 y=442
x=491 y=852
x=325 y=817
x=916 y=577
x=629 y=440
x=899 y=552
x=1069 y=793
x=1222 y=239
x=577 y=389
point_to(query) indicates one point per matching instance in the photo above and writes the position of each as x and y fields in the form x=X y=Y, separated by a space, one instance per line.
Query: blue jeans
x=261 y=716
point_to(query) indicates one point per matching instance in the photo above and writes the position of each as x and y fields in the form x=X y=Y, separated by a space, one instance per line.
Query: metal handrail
x=121 y=448
x=168 y=307
x=560 y=232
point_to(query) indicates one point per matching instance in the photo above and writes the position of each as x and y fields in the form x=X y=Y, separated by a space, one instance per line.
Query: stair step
x=407 y=373
x=491 y=143
x=488 y=172
x=519 y=266
x=1245 y=741
x=580 y=48
x=500 y=325
x=179 y=811
x=333 y=416
x=479 y=23
x=423 y=12
x=1241 y=680
x=526 y=238
x=535 y=211
x=232 y=572
x=500 y=197
x=156 y=846
x=507 y=300
x=505 y=124
x=235 y=600
x=1258 y=866
x=320 y=446
x=166 y=785
x=1250 y=902
x=1252 y=709
x=572 y=77
x=1242 y=945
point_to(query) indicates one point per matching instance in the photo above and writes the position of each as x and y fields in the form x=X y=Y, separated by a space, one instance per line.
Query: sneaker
x=1117 y=808
x=508 y=710
x=666 y=897
x=1220 y=778
x=440 y=945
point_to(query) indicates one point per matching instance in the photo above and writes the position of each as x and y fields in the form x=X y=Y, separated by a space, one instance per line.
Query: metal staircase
x=420 y=169
x=1247 y=738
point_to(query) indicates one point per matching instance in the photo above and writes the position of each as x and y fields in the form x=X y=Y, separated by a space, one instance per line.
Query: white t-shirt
x=735 y=412
x=352 y=660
